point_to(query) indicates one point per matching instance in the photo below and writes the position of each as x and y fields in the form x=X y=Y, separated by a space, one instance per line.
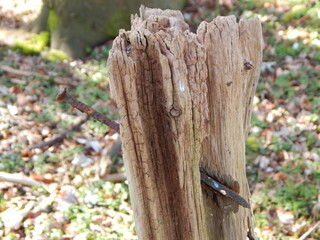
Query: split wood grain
x=184 y=102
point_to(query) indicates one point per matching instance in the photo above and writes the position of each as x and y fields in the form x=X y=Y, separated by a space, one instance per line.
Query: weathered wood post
x=185 y=102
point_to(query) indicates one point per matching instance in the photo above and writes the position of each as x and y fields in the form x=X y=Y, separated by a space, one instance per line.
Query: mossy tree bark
x=75 y=25
x=185 y=101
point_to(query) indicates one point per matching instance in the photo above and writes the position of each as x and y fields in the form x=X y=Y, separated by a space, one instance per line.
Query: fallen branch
x=116 y=177
x=35 y=74
x=19 y=72
x=60 y=137
x=18 y=178
x=64 y=96
x=311 y=230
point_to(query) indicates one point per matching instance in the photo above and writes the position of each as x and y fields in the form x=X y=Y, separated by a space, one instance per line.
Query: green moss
x=34 y=45
x=313 y=13
x=295 y=2
x=295 y=12
x=56 y=55
x=119 y=19
x=53 y=20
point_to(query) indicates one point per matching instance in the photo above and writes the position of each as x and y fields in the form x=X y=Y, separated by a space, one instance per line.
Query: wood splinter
x=65 y=96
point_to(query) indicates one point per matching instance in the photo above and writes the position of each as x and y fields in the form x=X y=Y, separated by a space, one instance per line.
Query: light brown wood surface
x=185 y=101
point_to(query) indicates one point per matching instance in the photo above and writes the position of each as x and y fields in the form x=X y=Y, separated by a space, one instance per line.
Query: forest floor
x=54 y=191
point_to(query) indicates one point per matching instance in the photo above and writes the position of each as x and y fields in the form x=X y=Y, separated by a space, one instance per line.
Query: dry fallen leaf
x=12 y=218
x=285 y=217
x=98 y=219
x=267 y=231
x=262 y=161
x=15 y=90
x=13 y=110
x=82 y=160
x=46 y=178
x=280 y=176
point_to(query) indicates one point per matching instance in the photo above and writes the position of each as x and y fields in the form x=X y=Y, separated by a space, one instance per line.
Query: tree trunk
x=185 y=101
x=75 y=25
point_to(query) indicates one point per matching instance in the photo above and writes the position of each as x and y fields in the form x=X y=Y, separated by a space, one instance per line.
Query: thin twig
x=21 y=179
x=60 y=137
x=311 y=230
x=64 y=96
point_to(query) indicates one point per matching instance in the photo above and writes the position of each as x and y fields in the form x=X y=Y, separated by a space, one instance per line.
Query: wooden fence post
x=185 y=102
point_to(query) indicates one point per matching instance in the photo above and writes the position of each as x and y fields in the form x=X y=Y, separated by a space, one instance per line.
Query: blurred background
x=62 y=175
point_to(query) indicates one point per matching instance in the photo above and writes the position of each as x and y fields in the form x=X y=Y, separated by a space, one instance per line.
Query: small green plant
x=261 y=218
x=311 y=138
x=47 y=115
x=316 y=56
x=11 y=236
x=11 y=162
x=99 y=53
x=296 y=197
x=277 y=145
x=56 y=233
x=283 y=81
x=70 y=152
x=256 y=122
x=98 y=127
x=287 y=49
x=284 y=84
x=40 y=163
